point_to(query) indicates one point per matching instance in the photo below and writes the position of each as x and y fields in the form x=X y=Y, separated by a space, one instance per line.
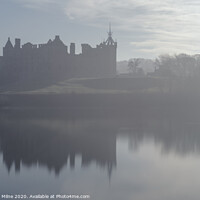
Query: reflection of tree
x=27 y=142
x=55 y=142
x=173 y=132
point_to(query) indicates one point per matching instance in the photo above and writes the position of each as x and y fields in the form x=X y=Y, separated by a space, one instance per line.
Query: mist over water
x=53 y=151
x=75 y=120
x=110 y=136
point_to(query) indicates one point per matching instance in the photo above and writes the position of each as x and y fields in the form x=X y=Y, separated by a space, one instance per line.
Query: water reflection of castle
x=52 y=61
x=54 y=138
x=29 y=143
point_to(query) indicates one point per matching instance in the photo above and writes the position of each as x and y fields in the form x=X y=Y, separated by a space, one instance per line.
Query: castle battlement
x=53 y=60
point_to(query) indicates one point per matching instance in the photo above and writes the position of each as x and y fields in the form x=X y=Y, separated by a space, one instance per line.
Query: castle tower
x=111 y=47
x=110 y=40
x=8 y=49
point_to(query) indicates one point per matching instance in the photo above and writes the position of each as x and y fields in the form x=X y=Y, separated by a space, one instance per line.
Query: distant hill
x=146 y=64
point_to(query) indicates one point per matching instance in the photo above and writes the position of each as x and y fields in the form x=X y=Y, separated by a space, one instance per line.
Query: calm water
x=142 y=157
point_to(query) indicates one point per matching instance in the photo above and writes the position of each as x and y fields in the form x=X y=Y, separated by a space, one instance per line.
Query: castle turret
x=110 y=40
x=57 y=42
x=8 y=44
x=111 y=48
x=8 y=49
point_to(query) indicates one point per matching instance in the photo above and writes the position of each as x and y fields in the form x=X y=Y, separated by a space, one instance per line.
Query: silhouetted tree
x=181 y=65
x=185 y=65
x=133 y=65
x=164 y=65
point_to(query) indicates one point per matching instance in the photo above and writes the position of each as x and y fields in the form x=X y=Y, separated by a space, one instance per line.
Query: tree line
x=178 y=65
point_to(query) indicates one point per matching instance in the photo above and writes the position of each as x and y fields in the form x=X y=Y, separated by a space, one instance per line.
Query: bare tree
x=133 y=65
x=181 y=65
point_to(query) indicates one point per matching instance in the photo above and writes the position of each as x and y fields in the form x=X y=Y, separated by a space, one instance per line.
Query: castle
x=52 y=61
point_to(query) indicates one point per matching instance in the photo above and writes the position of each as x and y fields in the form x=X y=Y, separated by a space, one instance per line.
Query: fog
x=82 y=123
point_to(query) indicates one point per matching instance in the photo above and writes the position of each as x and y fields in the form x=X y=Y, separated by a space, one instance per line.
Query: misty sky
x=143 y=28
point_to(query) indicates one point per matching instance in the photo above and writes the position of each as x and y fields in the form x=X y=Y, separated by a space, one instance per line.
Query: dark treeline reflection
x=53 y=138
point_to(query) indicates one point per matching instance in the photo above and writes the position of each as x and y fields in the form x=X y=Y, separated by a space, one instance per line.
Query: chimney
x=57 y=37
x=72 y=48
x=17 y=43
